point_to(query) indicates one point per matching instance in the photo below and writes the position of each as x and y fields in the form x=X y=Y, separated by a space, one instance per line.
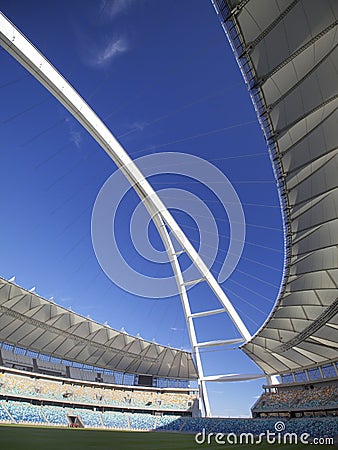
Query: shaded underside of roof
x=32 y=322
x=287 y=52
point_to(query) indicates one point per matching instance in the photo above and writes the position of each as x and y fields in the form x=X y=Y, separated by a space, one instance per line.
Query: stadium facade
x=291 y=72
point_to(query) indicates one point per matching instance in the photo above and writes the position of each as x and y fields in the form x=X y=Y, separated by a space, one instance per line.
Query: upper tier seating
x=319 y=397
x=67 y=392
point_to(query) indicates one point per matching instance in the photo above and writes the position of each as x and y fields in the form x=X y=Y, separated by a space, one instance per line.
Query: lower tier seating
x=24 y=412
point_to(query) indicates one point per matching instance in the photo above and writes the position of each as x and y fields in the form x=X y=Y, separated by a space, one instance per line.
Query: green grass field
x=14 y=437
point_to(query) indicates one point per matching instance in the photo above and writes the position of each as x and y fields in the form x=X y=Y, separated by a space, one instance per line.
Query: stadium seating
x=86 y=402
x=24 y=412
x=237 y=426
x=277 y=400
x=4 y=416
x=89 y=418
x=316 y=398
x=169 y=423
x=196 y=424
x=115 y=420
x=41 y=388
x=139 y=421
x=324 y=396
x=316 y=427
x=55 y=415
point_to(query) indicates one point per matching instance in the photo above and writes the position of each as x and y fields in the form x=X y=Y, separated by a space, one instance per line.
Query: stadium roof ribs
x=287 y=52
x=32 y=322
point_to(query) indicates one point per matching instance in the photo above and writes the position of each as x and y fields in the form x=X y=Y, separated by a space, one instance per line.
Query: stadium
x=67 y=377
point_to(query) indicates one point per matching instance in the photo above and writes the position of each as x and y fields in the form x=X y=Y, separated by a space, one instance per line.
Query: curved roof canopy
x=30 y=321
x=287 y=52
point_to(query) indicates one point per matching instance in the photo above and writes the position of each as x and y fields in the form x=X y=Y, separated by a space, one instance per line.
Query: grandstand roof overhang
x=288 y=55
x=32 y=322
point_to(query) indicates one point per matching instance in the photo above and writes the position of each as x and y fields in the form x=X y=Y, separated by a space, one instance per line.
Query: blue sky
x=163 y=78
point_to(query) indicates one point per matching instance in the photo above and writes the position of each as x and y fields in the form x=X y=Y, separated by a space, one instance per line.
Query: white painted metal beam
x=173 y=258
x=208 y=313
x=219 y=343
x=234 y=377
x=193 y=282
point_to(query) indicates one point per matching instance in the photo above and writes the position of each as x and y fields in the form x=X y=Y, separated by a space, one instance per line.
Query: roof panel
x=288 y=53
x=40 y=325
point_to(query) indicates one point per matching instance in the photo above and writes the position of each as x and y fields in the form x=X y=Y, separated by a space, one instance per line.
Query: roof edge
x=4 y=280
x=243 y=59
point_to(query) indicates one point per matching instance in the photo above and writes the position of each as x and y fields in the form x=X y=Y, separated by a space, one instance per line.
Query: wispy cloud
x=113 y=8
x=106 y=47
x=138 y=125
x=75 y=136
x=110 y=51
x=133 y=127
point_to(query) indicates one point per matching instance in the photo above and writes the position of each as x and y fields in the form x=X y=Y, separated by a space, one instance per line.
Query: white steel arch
x=15 y=43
